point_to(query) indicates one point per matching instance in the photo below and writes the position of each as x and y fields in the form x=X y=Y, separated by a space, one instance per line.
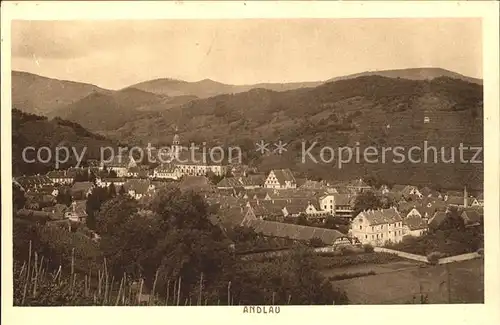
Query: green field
x=404 y=283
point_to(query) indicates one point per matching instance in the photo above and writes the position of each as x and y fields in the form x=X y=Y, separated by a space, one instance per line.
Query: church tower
x=176 y=147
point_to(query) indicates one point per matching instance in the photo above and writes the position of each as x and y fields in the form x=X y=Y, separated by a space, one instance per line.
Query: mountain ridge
x=369 y=109
x=412 y=74
x=44 y=95
x=39 y=131
x=36 y=94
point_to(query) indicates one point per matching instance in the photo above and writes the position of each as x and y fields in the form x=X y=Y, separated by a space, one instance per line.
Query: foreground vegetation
x=447 y=242
x=170 y=251
x=327 y=261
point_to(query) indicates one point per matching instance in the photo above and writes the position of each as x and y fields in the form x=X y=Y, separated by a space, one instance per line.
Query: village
x=274 y=204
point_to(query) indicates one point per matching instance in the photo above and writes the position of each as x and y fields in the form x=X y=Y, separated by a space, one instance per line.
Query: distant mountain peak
x=422 y=73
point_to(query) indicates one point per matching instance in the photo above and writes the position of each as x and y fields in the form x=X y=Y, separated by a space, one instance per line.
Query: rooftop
x=383 y=216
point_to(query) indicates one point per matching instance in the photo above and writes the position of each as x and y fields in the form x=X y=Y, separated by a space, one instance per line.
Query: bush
x=368 y=248
x=329 y=253
x=434 y=257
x=449 y=242
x=327 y=261
x=316 y=242
x=350 y=250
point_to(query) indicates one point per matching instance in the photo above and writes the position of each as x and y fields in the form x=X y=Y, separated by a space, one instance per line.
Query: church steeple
x=176 y=147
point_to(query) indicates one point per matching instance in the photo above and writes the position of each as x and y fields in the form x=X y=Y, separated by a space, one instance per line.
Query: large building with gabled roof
x=280 y=179
x=377 y=227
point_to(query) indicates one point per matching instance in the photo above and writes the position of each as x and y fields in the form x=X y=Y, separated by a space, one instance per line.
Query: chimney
x=465 y=196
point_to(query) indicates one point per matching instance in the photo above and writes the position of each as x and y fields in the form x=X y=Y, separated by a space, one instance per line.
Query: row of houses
x=376 y=227
x=413 y=193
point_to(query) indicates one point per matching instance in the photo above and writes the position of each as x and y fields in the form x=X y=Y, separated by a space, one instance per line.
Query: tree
x=64 y=197
x=114 y=213
x=214 y=179
x=94 y=201
x=175 y=239
x=387 y=202
x=368 y=248
x=316 y=242
x=82 y=176
x=121 y=191
x=111 y=190
x=112 y=173
x=373 y=181
x=302 y=219
x=332 y=222
x=180 y=209
x=220 y=109
x=453 y=220
x=366 y=200
x=243 y=234
x=290 y=279
x=18 y=197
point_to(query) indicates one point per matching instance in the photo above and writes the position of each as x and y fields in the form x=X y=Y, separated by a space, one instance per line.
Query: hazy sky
x=115 y=54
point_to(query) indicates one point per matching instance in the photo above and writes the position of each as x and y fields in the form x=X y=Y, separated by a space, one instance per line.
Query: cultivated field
x=406 y=284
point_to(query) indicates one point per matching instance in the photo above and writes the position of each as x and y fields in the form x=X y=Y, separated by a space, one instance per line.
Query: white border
x=487 y=313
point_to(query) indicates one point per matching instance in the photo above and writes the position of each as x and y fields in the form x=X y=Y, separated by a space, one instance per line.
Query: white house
x=327 y=203
x=377 y=227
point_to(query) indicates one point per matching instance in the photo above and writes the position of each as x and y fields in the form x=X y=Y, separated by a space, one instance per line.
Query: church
x=192 y=162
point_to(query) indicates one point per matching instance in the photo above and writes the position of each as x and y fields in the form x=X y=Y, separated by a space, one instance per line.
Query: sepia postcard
x=252 y=160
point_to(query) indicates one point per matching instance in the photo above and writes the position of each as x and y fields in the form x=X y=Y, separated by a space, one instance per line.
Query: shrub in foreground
x=368 y=248
x=434 y=257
